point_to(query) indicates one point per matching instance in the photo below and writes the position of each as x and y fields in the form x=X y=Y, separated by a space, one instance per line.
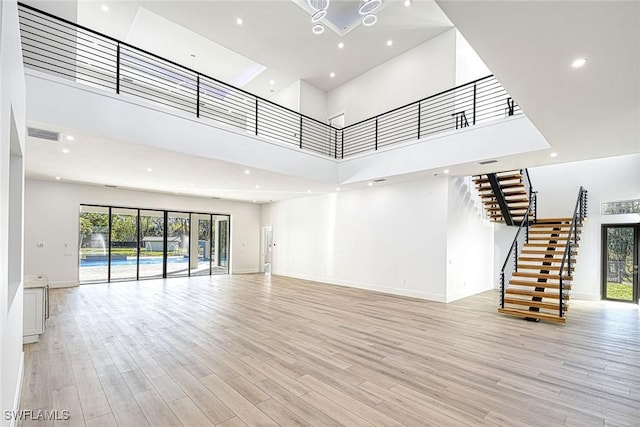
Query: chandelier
x=319 y=8
x=367 y=9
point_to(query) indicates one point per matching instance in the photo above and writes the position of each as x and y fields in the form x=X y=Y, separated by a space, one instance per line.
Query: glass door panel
x=151 y=244
x=200 y=265
x=124 y=244
x=177 y=244
x=94 y=241
x=620 y=262
x=222 y=246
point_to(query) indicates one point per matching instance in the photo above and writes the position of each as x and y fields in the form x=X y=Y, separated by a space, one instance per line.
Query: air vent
x=216 y=198
x=487 y=162
x=379 y=180
x=111 y=186
x=43 y=134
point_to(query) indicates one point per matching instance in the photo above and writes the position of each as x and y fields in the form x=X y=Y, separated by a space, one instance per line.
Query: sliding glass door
x=121 y=244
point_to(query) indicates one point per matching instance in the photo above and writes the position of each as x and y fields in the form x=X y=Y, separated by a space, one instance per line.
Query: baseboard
x=585 y=297
x=367 y=286
x=461 y=295
x=246 y=271
x=16 y=399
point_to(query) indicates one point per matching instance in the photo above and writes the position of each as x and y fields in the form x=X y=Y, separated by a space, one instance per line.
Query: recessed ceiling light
x=239 y=21
x=70 y=138
x=247 y=171
x=272 y=82
x=254 y=201
x=317 y=29
x=65 y=151
x=579 y=62
x=337 y=188
x=58 y=178
x=446 y=171
x=340 y=45
x=407 y=3
x=370 y=183
x=389 y=42
x=332 y=74
x=308 y=191
x=149 y=170
x=257 y=186
x=104 y=8
x=553 y=154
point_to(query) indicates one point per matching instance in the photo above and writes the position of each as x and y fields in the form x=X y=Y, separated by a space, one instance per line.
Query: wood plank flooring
x=254 y=350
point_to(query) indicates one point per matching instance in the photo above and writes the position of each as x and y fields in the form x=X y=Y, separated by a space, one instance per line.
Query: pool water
x=150 y=260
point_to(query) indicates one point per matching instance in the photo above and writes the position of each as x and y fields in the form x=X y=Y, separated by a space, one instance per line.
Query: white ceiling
x=584 y=113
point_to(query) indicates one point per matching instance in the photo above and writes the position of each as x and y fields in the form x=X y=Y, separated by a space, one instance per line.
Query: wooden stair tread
x=542 y=252
x=552 y=220
x=532 y=314
x=539 y=304
x=540 y=275
x=545 y=285
x=556 y=260
x=547 y=245
x=539 y=266
x=552 y=295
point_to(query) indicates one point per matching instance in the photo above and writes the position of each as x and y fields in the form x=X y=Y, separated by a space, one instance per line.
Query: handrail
x=579 y=214
x=514 y=246
x=63 y=48
x=175 y=64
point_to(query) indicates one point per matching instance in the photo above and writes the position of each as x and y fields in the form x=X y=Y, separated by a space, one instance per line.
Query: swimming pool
x=148 y=260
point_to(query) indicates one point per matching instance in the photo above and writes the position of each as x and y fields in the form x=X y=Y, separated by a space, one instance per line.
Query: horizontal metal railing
x=62 y=48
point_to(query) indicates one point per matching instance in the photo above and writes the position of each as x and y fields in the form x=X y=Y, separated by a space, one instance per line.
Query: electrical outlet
x=39 y=245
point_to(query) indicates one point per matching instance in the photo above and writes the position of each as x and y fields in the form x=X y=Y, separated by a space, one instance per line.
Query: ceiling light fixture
x=332 y=74
x=104 y=8
x=272 y=82
x=553 y=154
x=65 y=151
x=579 y=62
x=239 y=21
x=389 y=42
x=367 y=9
x=319 y=8
x=369 y=6
x=337 y=188
x=70 y=138
x=370 y=184
x=57 y=178
x=407 y=3
x=247 y=171
x=149 y=170
x=340 y=45
x=369 y=20
x=446 y=171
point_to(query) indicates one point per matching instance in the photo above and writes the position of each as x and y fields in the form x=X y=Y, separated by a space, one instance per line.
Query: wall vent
x=43 y=134
x=379 y=180
x=487 y=162
x=111 y=186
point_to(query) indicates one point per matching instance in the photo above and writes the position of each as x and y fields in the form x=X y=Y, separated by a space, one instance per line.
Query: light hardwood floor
x=253 y=350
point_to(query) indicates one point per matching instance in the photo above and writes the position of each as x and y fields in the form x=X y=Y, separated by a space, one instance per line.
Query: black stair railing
x=521 y=238
x=62 y=48
x=566 y=268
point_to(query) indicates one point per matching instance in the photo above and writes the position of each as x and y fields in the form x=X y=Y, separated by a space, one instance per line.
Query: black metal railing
x=566 y=268
x=521 y=238
x=526 y=180
x=65 y=49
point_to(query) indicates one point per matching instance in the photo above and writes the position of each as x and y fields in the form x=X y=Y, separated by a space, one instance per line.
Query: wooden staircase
x=512 y=195
x=533 y=292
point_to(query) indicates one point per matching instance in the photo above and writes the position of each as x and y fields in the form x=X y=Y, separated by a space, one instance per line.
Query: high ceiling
x=584 y=113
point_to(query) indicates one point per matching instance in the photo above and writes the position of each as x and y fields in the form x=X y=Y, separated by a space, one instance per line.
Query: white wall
x=422 y=71
x=288 y=97
x=390 y=238
x=424 y=239
x=12 y=126
x=606 y=180
x=469 y=242
x=469 y=66
x=313 y=101
x=58 y=203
